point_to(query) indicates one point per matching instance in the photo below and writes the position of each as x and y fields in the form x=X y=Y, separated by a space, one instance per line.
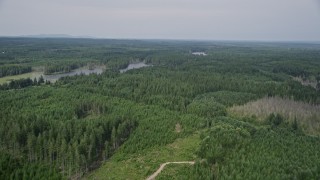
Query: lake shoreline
x=37 y=73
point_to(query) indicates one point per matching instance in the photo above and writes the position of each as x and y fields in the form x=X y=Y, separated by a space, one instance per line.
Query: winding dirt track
x=154 y=175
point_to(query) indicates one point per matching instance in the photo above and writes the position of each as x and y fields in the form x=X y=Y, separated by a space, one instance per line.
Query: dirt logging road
x=155 y=174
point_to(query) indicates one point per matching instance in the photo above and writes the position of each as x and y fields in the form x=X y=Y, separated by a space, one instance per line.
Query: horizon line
x=67 y=36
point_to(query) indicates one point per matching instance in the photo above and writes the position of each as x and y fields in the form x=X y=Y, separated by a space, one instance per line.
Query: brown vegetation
x=307 y=115
x=306 y=82
x=178 y=127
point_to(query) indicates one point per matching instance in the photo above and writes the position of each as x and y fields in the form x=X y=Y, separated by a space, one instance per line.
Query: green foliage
x=131 y=122
x=14 y=70
x=23 y=83
x=234 y=153
x=275 y=119
x=207 y=107
x=145 y=162
x=176 y=171
x=295 y=125
x=222 y=138
x=14 y=168
x=229 y=98
x=53 y=131
x=17 y=84
x=62 y=67
x=291 y=70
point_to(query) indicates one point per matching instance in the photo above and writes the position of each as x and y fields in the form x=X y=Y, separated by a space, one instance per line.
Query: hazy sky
x=164 y=19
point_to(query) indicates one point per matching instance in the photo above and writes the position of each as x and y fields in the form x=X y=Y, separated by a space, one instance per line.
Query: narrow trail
x=154 y=175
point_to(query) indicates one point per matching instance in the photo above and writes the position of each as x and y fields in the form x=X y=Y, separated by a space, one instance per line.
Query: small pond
x=134 y=66
x=199 y=53
x=84 y=70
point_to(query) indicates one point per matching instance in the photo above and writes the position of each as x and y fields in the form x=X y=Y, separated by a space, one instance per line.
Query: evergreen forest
x=240 y=110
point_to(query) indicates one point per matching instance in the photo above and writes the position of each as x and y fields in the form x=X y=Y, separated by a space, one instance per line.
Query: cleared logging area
x=307 y=115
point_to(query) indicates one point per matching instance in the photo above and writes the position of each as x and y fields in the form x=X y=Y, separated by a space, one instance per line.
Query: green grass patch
x=175 y=171
x=143 y=164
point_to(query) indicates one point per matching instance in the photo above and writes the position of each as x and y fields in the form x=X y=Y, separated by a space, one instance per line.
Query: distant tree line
x=14 y=70
x=22 y=83
x=62 y=68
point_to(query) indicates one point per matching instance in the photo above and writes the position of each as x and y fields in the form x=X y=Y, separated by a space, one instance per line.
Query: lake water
x=134 y=66
x=54 y=77
x=84 y=70
x=199 y=53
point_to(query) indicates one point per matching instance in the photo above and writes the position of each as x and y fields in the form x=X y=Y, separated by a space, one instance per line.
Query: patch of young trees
x=233 y=150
